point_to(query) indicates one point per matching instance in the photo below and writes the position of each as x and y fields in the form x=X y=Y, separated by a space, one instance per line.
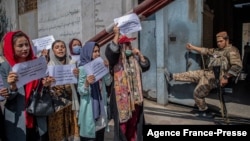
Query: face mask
x=128 y=52
x=76 y=50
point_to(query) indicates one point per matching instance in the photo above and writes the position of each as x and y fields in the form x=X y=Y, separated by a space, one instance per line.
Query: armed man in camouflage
x=226 y=56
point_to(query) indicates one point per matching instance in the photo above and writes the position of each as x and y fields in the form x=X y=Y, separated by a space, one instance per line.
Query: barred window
x=26 y=6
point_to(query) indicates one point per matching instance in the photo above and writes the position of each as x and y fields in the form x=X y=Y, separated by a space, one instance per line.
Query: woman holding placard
x=126 y=99
x=19 y=125
x=63 y=123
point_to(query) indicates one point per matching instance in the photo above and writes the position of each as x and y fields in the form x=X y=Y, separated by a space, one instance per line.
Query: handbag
x=40 y=103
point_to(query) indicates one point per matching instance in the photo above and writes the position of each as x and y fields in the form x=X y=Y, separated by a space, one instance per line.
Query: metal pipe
x=152 y=9
x=141 y=7
x=143 y=10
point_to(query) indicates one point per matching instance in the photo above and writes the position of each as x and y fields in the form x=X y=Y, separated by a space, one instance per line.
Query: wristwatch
x=225 y=77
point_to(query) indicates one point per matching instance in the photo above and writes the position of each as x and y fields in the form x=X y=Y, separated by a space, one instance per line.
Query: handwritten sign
x=128 y=24
x=30 y=70
x=1 y=86
x=43 y=43
x=96 y=67
x=63 y=74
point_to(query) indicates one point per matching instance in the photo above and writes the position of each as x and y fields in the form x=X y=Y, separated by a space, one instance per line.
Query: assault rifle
x=216 y=70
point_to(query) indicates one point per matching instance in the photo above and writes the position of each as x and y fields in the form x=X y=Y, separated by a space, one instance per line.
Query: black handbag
x=40 y=103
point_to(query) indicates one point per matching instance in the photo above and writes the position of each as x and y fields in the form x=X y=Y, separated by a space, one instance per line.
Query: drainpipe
x=143 y=10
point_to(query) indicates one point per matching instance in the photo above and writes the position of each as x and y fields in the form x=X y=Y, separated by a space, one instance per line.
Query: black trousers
x=99 y=136
x=2 y=133
x=32 y=134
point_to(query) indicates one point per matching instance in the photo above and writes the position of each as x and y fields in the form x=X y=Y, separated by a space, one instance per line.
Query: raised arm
x=192 y=47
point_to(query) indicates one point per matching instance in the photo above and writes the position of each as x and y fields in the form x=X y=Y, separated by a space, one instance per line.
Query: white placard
x=30 y=70
x=128 y=24
x=43 y=43
x=63 y=74
x=96 y=67
x=75 y=57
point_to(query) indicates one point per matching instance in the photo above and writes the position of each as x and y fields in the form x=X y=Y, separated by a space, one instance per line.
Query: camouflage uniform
x=205 y=78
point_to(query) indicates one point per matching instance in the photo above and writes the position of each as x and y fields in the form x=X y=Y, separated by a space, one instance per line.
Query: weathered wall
x=79 y=18
x=28 y=23
x=182 y=24
x=60 y=18
x=9 y=20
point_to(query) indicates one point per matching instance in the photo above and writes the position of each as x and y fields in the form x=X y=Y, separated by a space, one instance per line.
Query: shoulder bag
x=40 y=103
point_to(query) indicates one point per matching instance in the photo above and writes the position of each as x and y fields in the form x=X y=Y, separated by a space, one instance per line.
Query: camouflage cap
x=222 y=34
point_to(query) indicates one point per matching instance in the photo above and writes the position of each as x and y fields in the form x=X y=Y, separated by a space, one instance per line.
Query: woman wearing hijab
x=93 y=97
x=126 y=100
x=75 y=46
x=63 y=123
x=19 y=125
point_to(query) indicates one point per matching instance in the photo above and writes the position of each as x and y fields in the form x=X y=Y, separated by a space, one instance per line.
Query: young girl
x=93 y=97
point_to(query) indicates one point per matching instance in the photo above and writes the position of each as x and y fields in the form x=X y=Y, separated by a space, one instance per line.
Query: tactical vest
x=219 y=59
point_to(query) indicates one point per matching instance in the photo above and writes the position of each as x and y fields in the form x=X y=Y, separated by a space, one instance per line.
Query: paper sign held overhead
x=128 y=24
x=43 y=43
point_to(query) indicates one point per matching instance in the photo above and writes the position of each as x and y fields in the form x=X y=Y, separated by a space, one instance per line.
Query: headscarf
x=125 y=39
x=71 y=43
x=96 y=97
x=54 y=61
x=9 y=54
x=86 y=53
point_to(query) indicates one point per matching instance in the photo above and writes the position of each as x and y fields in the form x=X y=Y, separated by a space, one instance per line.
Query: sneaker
x=204 y=114
x=168 y=75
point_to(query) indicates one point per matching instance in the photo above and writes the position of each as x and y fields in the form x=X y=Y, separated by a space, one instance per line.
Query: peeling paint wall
x=177 y=24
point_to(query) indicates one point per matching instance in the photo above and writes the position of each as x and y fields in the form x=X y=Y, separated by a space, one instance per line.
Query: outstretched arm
x=192 y=47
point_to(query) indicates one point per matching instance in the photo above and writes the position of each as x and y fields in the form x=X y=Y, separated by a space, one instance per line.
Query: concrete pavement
x=237 y=103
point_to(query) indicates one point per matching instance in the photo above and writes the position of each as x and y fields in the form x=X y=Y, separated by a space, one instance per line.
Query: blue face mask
x=76 y=50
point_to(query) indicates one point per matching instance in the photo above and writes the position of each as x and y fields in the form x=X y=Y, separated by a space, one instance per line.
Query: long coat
x=113 y=58
x=14 y=111
x=88 y=126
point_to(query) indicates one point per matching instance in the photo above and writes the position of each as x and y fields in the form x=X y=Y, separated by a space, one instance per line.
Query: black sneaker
x=204 y=114
x=168 y=75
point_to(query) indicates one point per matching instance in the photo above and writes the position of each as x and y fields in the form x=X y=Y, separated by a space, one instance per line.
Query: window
x=26 y=6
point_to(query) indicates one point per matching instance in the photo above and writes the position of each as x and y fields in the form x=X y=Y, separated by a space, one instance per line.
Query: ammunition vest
x=218 y=59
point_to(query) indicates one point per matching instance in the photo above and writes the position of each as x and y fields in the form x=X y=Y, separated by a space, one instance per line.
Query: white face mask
x=76 y=50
